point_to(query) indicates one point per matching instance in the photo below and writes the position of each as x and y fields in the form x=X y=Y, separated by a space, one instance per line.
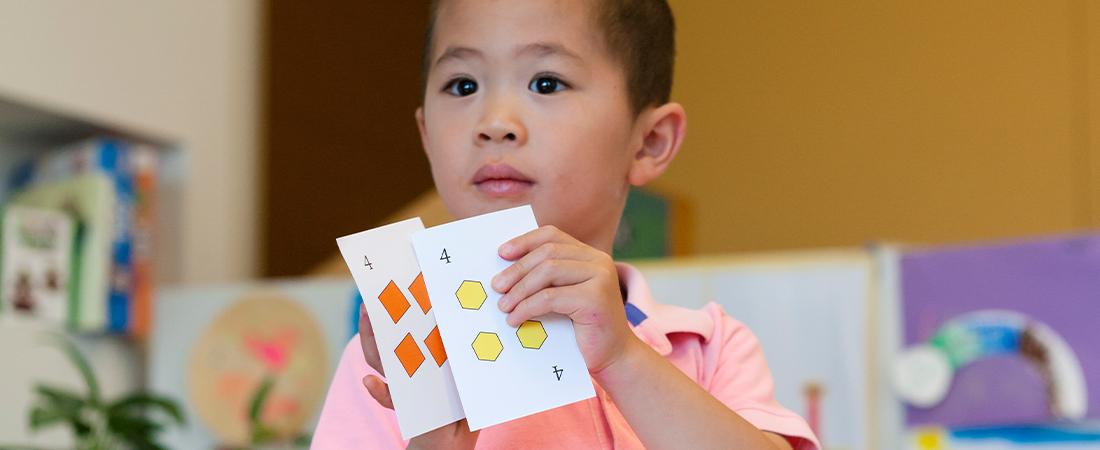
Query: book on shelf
x=145 y=162
x=37 y=247
x=89 y=200
x=131 y=169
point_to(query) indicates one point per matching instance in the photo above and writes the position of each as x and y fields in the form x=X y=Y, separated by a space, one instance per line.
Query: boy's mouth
x=501 y=180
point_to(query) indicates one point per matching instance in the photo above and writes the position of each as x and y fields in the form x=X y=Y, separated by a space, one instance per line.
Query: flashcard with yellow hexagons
x=502 y=372
x=417 y=367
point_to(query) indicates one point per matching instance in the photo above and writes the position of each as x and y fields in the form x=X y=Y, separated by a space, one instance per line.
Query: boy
x=563 y=105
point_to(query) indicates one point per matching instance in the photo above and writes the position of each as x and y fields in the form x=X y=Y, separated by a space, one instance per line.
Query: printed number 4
x=445 y=257
x=366 y=262
x=558 y=372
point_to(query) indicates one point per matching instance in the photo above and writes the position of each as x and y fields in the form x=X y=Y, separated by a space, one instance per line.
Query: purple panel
x=1054 y=281
x=1008 y=385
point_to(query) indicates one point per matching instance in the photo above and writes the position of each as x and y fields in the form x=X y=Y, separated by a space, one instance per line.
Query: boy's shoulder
x=717 y=352
x=655 y=322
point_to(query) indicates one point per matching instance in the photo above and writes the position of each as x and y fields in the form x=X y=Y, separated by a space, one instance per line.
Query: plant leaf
x=261 y=434
x=303 y=440
x=64 y=398
x=81 y=364
x=145 y=400
x=44 y=417
x=58 y=404
x=259 y=399
x=136 y=430
x=131 y=427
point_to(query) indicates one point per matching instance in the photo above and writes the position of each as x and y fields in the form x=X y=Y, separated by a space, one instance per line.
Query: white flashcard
x=502 y=373
x=417 y=367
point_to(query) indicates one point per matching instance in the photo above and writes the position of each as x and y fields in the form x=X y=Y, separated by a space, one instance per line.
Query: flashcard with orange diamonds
x=384 y=266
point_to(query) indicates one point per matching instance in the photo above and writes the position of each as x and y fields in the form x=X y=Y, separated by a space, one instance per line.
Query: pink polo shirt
x=713 y=349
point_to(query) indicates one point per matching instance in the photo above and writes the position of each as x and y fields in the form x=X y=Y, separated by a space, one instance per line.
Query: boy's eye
x=546 y=85
x=462 y=87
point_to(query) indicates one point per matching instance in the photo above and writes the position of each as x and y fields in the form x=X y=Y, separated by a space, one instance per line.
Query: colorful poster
x=213 y=348
x=1001 y=334
x=262 y=336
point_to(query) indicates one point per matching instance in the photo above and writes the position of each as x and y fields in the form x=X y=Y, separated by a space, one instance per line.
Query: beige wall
x=810 y=123
x=833 y=123
x=187 y=70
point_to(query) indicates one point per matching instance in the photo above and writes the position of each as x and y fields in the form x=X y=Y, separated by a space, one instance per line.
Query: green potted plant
x=133 y=421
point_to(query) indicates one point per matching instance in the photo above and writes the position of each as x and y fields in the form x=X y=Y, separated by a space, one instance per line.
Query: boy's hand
x=553 y=272
x=456 y=435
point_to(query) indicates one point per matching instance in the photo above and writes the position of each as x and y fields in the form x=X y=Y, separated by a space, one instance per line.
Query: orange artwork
x=434 y=342
x=264 y=334
x=278 y=407
x=273 y=352
x=395 y=302
x=420 y=293
x=233 y=386
x=409 y=354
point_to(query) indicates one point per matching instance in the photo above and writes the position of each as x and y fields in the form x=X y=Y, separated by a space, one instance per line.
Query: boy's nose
x=498 y=131
x=500 y=128
x=493 y=136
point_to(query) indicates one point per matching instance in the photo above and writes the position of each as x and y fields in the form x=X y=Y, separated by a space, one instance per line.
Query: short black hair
x=639 y=35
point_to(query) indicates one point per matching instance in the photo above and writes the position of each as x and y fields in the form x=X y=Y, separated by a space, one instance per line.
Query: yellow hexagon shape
x=487 y=346
x=470 y=294
x=531 y=334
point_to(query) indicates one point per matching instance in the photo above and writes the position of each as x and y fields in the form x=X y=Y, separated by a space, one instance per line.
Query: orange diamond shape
x=435 y=346
x=409 y=354
x=420 y=293
x=395 y=302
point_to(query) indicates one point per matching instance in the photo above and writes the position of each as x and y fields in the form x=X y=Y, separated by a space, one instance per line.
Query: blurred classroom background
x=900 y=199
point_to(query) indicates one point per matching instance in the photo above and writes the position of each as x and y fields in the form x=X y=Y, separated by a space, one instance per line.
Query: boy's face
x=524 y=106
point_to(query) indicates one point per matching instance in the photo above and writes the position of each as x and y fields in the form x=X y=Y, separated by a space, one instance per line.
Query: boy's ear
x=423 y=131
x=664 y=129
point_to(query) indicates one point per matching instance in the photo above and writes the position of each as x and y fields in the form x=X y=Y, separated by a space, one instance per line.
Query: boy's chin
x=488 y=205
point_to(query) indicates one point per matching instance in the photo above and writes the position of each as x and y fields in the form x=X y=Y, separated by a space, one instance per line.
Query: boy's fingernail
x=496 y=282
x=503 y=301
x=506 y=249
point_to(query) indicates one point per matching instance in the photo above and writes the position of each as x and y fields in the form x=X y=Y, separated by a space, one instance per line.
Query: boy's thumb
x=379 y=390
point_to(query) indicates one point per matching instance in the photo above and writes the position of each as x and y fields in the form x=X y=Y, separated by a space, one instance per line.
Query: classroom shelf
x=29 y=128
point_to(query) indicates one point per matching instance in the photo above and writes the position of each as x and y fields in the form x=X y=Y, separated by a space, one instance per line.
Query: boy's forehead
x=515 y=28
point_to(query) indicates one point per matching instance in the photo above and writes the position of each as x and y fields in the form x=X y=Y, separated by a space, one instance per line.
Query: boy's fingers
x=379 y=390
x=504 y=280
x=554 y=299
x=521 y=245
x=366 y=338
x=550 y=273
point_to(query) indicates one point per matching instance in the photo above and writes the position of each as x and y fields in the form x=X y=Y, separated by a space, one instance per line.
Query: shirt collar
x=652 y=321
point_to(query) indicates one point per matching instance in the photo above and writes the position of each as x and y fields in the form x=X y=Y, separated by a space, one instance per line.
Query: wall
x=822 y=124
x=342 y=147
x=834 y=123
x=185 y=70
